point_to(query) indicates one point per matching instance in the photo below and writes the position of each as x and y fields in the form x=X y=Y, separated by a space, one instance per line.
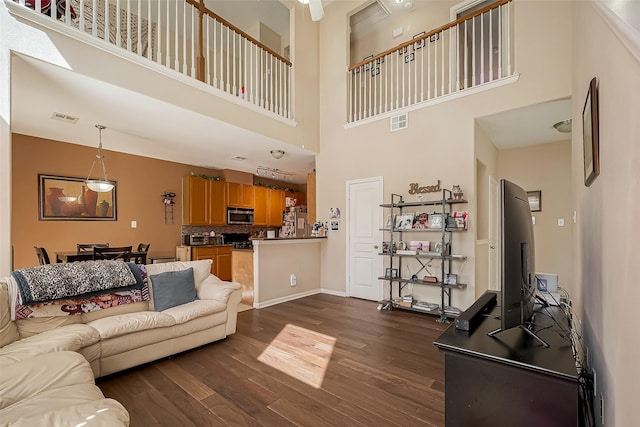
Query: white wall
x=607 y=234
x=439 y=144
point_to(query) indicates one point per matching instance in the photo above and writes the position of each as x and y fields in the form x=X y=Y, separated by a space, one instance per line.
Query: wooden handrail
x=430 y=33
x=198 y=5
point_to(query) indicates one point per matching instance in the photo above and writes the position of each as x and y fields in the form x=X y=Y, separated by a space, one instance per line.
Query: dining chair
x=88 y=247
x=142 y=247
x=43 y=256
x=112 y=253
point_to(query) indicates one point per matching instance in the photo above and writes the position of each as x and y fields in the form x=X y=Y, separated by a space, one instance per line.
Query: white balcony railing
x=186 y=37
x=464 y=54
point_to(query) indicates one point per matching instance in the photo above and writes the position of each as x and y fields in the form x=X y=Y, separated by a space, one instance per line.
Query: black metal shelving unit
x=397 y=207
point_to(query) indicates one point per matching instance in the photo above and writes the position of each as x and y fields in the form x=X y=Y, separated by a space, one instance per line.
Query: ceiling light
x=276 y=174
x=304 y=1
x=564 y=126
x=277 y=154
x=99 y=185
x=399 y=1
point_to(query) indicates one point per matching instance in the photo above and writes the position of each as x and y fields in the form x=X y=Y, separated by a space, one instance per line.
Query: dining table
x=72 y=256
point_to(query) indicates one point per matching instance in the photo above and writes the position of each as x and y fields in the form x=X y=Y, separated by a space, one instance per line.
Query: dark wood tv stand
x=510 y=379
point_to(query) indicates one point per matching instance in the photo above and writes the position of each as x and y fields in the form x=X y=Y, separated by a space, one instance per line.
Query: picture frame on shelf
x=390 y=222
x=391 y=273
x=436 y=220
x=404 y=221
x=419 y=245
x=450 y=279
x=590 y=134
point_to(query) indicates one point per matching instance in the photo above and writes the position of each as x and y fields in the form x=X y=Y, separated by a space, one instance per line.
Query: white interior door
x=364 y=265
x=494 y=222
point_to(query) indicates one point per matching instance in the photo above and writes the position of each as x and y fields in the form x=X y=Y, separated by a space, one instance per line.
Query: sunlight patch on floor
x=300 y=353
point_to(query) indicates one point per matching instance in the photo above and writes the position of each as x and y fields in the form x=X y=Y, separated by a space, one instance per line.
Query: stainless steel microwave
x=239 y=216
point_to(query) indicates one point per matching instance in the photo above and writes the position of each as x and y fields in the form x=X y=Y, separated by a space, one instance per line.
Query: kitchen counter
x=264 y=239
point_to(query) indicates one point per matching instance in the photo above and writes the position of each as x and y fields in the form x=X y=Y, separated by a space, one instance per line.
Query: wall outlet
x=293 y=280
x=134 y=224
x=560 y=222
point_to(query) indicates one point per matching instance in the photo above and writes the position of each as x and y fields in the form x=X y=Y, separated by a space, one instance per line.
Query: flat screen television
x=517 y=256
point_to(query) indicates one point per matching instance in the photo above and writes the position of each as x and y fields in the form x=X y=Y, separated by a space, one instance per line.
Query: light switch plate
x=134 y=224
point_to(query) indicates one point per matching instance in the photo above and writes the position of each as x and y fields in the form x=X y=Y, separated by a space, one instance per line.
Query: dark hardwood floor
x=317 y=361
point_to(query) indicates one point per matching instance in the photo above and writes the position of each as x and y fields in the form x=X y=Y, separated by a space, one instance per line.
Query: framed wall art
x=63 y=198
x=590 y=134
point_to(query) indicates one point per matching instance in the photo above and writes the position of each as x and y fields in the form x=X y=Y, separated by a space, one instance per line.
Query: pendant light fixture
x=100 y=185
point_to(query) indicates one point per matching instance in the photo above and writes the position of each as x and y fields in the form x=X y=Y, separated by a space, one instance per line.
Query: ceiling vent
x=399 y=122
x=239 y=158
x=64 y=118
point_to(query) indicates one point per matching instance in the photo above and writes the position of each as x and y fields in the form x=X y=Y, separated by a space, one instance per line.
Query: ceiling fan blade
x=316 y=10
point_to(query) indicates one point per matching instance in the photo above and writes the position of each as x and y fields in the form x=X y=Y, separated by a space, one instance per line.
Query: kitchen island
x=285 y=269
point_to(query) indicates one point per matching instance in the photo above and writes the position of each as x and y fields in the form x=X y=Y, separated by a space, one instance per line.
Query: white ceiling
x=529 y=125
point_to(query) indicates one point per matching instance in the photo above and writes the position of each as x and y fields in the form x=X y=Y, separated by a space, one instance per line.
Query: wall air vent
x=399 y=122
x=239 y=158
x=64 y=118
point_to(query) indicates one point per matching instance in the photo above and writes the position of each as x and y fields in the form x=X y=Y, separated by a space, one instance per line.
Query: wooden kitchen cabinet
x=239 y=195
x=276 y=206
x=203 y=201
x=220 y=257
x=260 y=205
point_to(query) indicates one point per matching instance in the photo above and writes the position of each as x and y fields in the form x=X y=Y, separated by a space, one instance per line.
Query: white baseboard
x=333 y=292
x=285 y=299
x=297 y=296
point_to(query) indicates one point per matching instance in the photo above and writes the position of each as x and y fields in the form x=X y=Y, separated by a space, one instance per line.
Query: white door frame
x=380 y=180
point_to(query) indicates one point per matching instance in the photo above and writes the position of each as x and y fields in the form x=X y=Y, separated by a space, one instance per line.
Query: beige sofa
x=109 y=340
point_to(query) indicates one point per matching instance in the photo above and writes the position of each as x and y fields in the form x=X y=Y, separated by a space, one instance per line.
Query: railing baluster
x=491 y=45
x=149 y=26
x=474 y=52
x=500 y=43
x=159 y=37
x=138 y=33
x=207 y=36
x=508 y=24
x=194 y=35
x=466 y=55
x=482 y=49
x=442 y=74
x=451 y=62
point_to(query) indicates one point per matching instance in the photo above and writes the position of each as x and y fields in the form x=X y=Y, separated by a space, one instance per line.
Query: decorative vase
x=53 y=198
x=90 y=202
x=104 y=208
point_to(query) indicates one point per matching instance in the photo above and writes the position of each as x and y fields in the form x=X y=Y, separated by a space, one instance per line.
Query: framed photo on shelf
x=436 y=221
x=450 y=279
x=390 y=222
x=391 y=273
x=404 y=221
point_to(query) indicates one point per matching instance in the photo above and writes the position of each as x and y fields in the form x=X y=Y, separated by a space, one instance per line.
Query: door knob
x=375 y=246
x=492 y=247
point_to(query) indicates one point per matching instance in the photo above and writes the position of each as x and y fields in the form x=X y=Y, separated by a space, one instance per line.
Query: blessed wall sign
x=415 y=188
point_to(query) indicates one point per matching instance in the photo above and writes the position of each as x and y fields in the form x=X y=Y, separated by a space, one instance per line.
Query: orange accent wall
x=140 y=183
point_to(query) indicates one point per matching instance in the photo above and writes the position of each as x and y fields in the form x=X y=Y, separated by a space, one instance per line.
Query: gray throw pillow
x=172 y=288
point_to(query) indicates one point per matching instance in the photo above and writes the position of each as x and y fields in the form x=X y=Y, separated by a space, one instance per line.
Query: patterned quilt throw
x=76 y=279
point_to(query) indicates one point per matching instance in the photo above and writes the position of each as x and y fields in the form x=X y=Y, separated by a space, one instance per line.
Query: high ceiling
x=148 y=127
